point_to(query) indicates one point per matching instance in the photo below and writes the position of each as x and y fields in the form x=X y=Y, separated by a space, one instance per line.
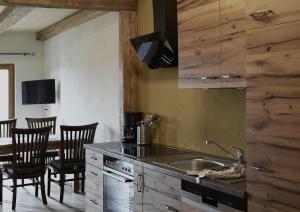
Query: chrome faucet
x=239 y=152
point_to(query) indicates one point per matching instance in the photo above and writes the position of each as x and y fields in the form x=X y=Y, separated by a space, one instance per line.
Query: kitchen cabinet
x=233 y=43
x=94 y=181
x=273 y=102
x=211 y=39
x=199 y=43
x=271 y=12
x=157 y=192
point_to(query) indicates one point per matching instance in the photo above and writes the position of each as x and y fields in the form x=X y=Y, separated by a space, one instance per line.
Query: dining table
x=54 y=142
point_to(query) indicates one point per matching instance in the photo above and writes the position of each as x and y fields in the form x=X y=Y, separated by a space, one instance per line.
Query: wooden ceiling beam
x=68 y=23
x=106 y=5
x=11 y=15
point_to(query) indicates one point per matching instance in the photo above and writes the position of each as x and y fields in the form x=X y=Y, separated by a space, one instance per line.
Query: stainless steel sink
x=194 y=164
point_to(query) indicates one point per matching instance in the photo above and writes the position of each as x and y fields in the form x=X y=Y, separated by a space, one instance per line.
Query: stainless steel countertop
x=235 y=189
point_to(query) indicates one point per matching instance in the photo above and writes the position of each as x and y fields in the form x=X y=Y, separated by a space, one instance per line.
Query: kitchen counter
x=235 y=189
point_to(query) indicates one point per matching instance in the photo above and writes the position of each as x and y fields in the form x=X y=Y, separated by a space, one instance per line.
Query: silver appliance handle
x=116 y=177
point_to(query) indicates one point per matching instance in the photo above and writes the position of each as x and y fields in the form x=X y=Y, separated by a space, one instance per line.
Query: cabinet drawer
x=94 y=158
x=94 y=181
x=260 y=13
x=163 y=184
x=92 y=204
x=156 y=201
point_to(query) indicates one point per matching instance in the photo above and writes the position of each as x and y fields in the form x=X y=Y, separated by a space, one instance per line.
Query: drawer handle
x=94 y=173
x=94 y=158
x=170 y=208
x=94 y=202
x=262 y=14
x=261 y=169
x=140 y=183
x=231 y=76
x=209 y=78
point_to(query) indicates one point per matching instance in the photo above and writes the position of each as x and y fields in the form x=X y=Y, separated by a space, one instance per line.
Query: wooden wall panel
x=273 y=117
x=128 y=60
x=199 y=43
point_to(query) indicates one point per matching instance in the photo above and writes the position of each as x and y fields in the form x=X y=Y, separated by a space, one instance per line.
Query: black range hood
x=160 y=49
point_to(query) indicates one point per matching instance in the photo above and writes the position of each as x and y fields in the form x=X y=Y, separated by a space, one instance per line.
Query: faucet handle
x=239 y=153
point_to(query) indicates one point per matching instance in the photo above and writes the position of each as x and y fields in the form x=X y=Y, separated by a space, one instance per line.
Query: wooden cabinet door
x=199 y=43
x=273 y=117
x=261 y=13
x=233 y=43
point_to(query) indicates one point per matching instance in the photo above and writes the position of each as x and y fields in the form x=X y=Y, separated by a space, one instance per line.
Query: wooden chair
x=44 y=122
x=29 y=150
x=72 y=155
x=5 y=132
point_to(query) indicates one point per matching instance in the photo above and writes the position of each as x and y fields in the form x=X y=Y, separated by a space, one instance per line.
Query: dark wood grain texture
x=273 y=117
x=106 y=5
x=211 y=43
x=128 y=60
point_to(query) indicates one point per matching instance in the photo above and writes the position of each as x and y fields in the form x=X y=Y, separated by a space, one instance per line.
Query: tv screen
x=38 y=92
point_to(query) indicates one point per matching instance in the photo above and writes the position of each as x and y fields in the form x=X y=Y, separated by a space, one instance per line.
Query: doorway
x=7 y=91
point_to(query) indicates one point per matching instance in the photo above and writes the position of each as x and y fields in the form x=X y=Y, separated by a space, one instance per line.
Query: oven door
x=118 y=191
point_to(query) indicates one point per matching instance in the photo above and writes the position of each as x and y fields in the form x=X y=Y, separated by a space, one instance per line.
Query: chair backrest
x=72 y=140
x=6 y=126
x=29 y=147
x=42 y=122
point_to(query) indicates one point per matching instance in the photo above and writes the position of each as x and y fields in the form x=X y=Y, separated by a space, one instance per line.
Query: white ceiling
x=40 y=18
x=2 y=8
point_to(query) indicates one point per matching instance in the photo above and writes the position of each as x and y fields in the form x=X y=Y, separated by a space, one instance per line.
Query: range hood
x=160 y=49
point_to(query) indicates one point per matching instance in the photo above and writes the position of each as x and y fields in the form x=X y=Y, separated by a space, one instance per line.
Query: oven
x=118 y=185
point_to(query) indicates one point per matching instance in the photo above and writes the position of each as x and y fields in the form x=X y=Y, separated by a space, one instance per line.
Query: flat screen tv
x=38 y=92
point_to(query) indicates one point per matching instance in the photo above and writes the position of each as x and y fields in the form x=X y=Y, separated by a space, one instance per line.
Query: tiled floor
x=27 y=202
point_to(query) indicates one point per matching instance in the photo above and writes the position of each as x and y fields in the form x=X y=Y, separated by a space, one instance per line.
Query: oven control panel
x=119 y=165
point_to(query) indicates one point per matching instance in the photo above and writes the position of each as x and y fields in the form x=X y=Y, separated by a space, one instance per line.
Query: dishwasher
x=197 y=197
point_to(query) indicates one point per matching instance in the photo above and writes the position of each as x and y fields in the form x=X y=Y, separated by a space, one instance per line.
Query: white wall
x=27 y=68
x=85 y=63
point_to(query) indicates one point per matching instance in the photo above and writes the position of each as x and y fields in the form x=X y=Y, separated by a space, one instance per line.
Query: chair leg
x=43 y=190
x=14 y=194
x=76 y=183
x=22 y=182
x=82 y=182
x=1 y=186
x=62 y=184
x=49 y=182
x=37 y=188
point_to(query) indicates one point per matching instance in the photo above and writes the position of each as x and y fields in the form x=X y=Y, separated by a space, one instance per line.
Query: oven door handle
x=117 y=177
